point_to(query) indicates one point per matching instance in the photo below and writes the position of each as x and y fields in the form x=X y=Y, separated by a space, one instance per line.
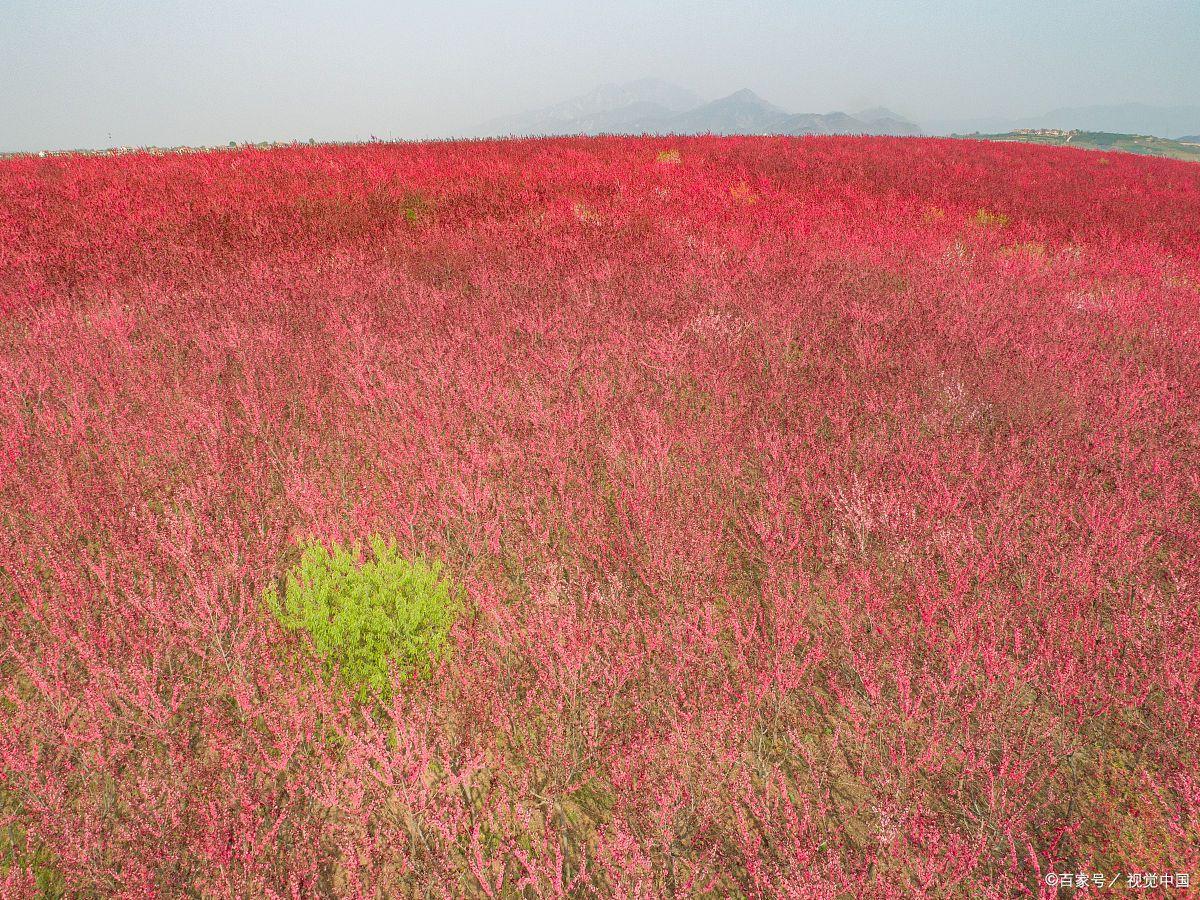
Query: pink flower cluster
x=826 y=511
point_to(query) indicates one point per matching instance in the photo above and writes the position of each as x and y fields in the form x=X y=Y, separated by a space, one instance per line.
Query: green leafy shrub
x=368 y=616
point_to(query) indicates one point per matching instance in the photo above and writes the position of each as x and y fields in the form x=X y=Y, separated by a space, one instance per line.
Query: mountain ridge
x=653 y=106
x=598 y=104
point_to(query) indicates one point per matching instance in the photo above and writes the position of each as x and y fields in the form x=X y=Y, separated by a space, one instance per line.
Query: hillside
x=1144 y=145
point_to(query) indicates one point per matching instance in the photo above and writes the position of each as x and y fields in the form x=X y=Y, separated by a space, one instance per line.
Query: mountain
x=868 y=122
x=1122 y=118
x=821 y=123
x=743 y=112
x=610 y=107
x=621 y=120
x=883 y=121
x=651 y=106
x=1189 y=139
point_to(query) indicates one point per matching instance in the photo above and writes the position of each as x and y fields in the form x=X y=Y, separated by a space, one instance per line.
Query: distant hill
x=840 y=123
x=1190 y=139
x=1146 y=145
x=651 y=106
x=1122 y=118
x=1125 y=118
x=610 y=107
x=887 y=122
x=743 y=112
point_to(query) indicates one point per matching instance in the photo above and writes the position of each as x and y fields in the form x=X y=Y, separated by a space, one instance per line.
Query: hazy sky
x=97 y=73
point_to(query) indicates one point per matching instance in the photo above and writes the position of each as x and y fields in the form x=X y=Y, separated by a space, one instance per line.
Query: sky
x=108 y=73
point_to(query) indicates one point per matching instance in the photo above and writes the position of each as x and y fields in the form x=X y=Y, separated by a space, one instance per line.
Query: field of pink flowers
x=825 y=510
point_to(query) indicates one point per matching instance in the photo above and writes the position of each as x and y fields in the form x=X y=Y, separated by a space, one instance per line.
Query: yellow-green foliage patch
x=370 y=614
x=987 y=219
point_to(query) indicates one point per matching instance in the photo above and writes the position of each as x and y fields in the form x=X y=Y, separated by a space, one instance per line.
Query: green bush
x=368 y=616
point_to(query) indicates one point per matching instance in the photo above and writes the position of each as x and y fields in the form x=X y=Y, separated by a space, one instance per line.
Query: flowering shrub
x=820 y=546
x=367 y=618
